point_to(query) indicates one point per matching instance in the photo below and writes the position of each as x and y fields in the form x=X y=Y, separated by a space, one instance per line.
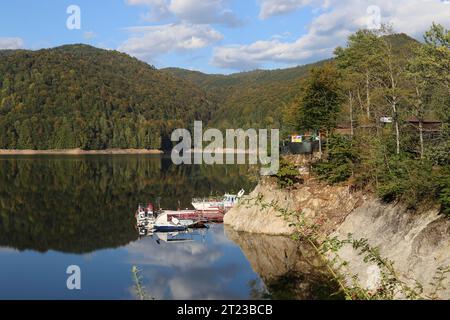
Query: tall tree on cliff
x=359 y=59
x=432 y=68
x=320 y=103
x=424 y=77
x=432 y=65
x=390 y=73
x=435 y=55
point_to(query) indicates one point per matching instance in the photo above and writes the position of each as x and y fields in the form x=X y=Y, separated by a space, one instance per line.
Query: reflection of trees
x=81 y=204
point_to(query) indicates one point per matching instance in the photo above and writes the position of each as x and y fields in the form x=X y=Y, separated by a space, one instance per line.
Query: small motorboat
x=164 y=224
x=145 y=219
x=149 y=220
x=222 y=204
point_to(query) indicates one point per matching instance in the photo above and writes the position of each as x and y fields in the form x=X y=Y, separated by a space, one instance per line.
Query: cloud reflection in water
x=214 y=268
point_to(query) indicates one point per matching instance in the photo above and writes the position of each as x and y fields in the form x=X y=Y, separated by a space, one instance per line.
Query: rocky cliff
x=325 y=205
x=417 y=242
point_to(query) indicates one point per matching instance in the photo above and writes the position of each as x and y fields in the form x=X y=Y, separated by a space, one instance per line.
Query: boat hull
x=207 y=216
x=170 y=228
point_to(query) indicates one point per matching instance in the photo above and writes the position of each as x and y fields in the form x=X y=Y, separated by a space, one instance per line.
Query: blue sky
x=215 y=36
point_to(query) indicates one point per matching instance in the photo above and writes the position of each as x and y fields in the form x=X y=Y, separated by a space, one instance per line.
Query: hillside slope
x=78 y=96
x=249 y=99
x=256 y=99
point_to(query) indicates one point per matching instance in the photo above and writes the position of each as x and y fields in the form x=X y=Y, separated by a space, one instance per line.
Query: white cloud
x=159 y=8
x=189 y=270
x=11 y=43
x=270 y=8
x=190 y=11
x=334 y=22
x=149 y=42
x=204 y=12
x=149 y=253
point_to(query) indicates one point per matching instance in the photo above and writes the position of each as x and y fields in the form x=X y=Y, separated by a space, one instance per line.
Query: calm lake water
x=62 y=211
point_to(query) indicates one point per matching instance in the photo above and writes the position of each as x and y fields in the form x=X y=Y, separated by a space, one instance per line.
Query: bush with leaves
x=444 y=191
x=287 y=174
x=411 y=181
x=339 y=165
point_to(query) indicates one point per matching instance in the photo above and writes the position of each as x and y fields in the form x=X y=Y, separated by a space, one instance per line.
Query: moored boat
x=149 y=220
x=145 y=216
x=222 y=204
x=164 y=223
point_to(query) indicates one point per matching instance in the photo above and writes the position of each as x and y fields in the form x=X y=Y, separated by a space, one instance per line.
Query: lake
x=58 y=211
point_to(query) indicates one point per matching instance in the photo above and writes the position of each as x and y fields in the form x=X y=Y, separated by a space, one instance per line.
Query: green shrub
x=287 y=174
x=444 y=192
x=339 y=165
x=411 y=181
x=439 y=153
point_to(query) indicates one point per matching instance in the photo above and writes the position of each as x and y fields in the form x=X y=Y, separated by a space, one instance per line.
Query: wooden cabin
x=428 y=125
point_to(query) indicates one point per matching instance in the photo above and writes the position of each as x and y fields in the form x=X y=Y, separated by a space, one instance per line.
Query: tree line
x=384 y=89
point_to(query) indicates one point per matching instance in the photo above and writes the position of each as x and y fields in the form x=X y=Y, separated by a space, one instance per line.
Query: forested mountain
x=249 y=99
x=78 y=96
x=256 y=99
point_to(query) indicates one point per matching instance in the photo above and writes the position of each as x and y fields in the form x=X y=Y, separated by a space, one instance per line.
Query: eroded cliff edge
x=417 y=242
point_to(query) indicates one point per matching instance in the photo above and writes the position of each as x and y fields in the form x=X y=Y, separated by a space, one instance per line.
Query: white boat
x=225 y=203
x=145 y=216
x=164 y=224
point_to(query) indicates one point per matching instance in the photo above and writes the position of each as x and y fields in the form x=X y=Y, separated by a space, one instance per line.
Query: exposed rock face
x=325 y=205
x=250 y=218
x=418 y=243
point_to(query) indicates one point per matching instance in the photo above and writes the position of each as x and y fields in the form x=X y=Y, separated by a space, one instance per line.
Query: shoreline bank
x=417 y=243
x=77 y=152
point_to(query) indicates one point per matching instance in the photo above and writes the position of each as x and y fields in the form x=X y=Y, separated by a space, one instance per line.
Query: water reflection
x=290 y=269
x=211 y=267
x=59 y=211
x=83 y=204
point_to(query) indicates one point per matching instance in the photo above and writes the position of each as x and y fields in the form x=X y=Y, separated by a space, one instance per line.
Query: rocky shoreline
x=417 y=242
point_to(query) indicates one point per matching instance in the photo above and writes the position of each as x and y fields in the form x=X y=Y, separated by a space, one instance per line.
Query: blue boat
x=169 y=228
